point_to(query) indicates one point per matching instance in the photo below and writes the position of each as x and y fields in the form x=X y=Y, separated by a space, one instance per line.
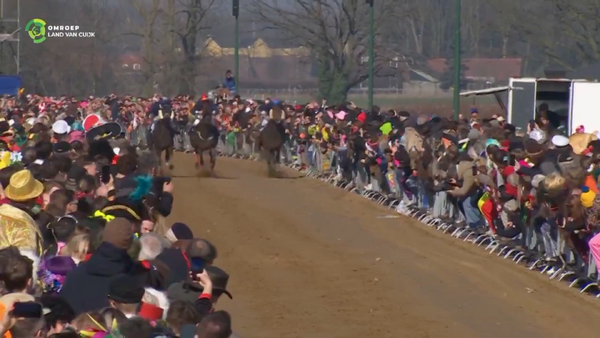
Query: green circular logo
x=37 y=30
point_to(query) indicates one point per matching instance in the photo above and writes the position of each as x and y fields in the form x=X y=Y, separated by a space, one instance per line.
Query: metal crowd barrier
x=313 y=164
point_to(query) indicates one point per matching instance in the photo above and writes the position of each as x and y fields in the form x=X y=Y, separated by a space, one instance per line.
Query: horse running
x=272 y=138
x=161 y=140
x=204 y=136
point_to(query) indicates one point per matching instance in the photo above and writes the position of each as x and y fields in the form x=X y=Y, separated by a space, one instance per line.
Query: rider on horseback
x=160 y=109
x=182 y=122
x=266 y=113
x=202 y=110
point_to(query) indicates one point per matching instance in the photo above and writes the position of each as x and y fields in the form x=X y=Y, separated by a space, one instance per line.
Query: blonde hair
x=554 y=181
x=77 y=246
x=160 y=224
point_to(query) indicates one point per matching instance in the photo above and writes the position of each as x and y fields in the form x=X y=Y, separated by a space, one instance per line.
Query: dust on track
x=309 y=260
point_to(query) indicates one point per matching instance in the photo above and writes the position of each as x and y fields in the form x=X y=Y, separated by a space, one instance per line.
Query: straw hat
x=579 y=142
x=23 y=187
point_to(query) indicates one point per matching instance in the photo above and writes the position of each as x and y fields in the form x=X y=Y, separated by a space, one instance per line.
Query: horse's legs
x=213 y=158
x=158 y=154
x=268 y=155
x=277 y=158
x=201 y=158
x=169 y=157
x=197 y=159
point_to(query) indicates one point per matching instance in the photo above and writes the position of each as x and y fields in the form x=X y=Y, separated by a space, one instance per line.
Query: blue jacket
x=230 y=84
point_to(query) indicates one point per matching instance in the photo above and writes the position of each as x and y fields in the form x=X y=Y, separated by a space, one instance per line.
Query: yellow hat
x=587 y=197
x=23 y=187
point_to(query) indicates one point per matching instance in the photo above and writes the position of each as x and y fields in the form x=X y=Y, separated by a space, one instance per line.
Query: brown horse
x=161 y=140
x=272 y=138
x=204 y=136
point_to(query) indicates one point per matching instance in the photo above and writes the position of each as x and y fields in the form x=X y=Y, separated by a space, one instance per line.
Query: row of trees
x=169 y=35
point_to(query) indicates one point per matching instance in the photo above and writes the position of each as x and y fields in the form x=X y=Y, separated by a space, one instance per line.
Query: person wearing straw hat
x=17 y=226
x=23 y=188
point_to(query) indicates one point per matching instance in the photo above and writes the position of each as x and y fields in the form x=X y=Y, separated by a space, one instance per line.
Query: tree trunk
x=334 y=85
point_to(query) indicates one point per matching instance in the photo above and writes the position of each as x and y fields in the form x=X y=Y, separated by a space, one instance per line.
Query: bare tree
x=168 y=37
x=337 y=33
x=196 y=15
x=144 y=25
x=576 y=23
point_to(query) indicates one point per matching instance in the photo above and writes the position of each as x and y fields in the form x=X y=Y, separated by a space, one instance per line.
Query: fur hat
x=118 y=232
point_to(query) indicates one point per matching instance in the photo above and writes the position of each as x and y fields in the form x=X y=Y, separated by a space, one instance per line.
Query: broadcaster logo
x=37 y=30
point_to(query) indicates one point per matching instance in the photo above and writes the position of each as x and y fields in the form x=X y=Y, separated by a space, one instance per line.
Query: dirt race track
x=309 y=260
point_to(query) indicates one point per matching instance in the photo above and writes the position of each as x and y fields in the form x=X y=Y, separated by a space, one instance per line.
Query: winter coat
x=86 y=286
x=466 y=174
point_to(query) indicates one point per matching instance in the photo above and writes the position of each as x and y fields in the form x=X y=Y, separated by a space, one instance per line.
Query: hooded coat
x=178 y=265
x=96 y=274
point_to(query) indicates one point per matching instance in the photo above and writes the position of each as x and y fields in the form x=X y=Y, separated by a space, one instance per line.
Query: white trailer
x=577 y=102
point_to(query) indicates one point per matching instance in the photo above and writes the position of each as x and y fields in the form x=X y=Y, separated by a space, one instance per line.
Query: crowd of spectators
x=85 y=248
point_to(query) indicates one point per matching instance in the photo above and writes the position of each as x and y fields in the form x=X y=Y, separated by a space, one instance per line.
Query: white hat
x=560 y=141
x=61 y=127
x=538 y=135
x=30 y=121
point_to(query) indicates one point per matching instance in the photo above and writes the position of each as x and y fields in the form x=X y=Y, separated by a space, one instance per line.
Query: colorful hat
x=53 y=272
x=92 y=121
x=587 y=197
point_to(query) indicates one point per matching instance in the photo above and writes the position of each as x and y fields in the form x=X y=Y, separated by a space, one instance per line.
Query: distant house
x=482 y=72
x=262 y=66
x=420 y=83
x=395 y=72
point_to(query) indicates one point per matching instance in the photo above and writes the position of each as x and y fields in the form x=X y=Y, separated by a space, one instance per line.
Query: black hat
x=181 y=231
x=125 y=289
x=124 y=208
x=62 y=147
x=75 y=174
x=4 y=126
x=188 y=291
x=219 y=279
x=106 y=131
x=101 y=148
